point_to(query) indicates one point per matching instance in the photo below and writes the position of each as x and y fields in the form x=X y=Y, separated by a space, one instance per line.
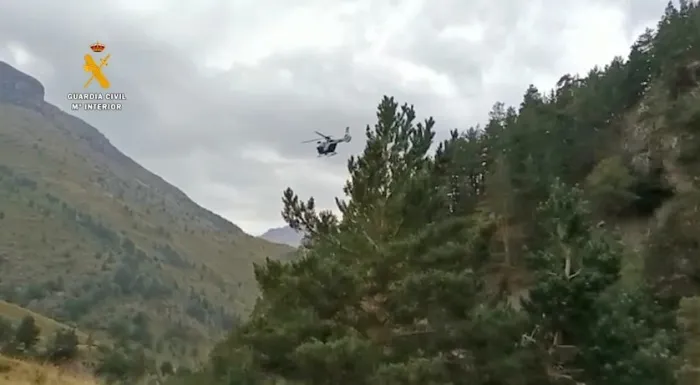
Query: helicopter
x=326 y=147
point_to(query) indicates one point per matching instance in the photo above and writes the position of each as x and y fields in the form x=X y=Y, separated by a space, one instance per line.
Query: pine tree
x=27 y=333
x=499 y=204
x=322 y=318
x=6 y=331
x=591 y=330
x=392 y=293
x=64 y=346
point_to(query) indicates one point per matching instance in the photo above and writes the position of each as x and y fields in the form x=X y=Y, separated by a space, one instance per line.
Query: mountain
x=89 y=237
x=283 y=235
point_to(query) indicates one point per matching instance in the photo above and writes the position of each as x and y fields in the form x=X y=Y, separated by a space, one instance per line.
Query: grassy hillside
x=48 y=326
x=15 y=372
x=88 y=237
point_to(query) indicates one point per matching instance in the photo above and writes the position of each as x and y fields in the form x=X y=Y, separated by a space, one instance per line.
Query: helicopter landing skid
x=326 y=155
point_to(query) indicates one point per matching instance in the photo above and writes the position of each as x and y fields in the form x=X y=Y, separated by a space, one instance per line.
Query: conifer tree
x=591 y=330
x=6 y=331
x=27 y=333
x=392 y=293
x=459 y=171
x=322 y=318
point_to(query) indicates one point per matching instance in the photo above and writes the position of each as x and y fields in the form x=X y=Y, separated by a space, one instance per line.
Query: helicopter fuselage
x=328 y=147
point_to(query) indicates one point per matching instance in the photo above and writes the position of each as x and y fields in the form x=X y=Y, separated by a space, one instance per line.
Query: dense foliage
x=497 y=259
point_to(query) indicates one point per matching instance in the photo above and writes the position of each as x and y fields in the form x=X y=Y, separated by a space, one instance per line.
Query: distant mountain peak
x=284 y=235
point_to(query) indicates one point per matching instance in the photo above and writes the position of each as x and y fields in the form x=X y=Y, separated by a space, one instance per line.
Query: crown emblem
x=97 y=47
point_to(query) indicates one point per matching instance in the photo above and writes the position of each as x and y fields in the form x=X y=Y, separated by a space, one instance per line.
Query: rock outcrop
x=20 y=89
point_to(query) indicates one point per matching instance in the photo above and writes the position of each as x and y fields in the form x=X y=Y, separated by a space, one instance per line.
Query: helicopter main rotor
x=325 y=137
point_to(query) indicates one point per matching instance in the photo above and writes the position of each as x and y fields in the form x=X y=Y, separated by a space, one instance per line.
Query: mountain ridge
x=29 y=93
x=94 y=239
x=283 y=235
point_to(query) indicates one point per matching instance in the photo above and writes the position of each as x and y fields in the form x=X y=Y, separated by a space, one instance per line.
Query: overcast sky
x=221 y=92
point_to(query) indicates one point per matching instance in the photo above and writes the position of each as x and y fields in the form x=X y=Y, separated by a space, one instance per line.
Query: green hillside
x=47 y=326
x=88 y=237
x=557 y=244
x=12 y=316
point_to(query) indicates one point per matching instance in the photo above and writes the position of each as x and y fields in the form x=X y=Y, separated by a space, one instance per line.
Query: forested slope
x=557 y=244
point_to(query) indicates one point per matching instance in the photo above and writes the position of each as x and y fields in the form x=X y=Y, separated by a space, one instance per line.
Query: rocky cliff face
x=662 y=141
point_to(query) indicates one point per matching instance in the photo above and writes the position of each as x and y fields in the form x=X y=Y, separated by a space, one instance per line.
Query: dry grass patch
x=15 y=372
